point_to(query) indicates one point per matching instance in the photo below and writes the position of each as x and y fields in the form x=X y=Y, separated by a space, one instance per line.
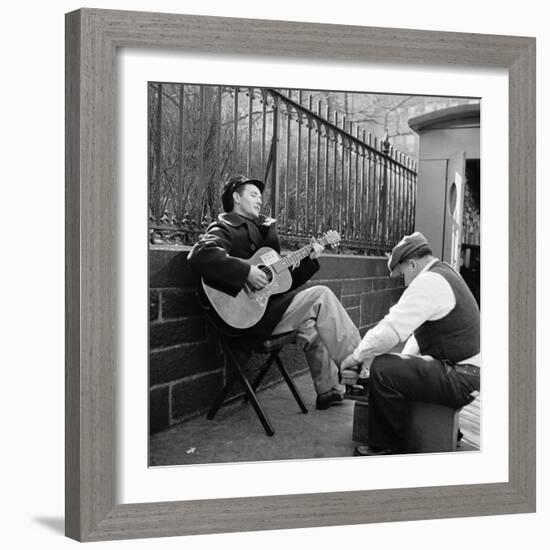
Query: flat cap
x=232 y=184
x=405 y=247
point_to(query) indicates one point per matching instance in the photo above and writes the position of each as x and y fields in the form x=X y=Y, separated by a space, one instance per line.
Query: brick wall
x=185 y=369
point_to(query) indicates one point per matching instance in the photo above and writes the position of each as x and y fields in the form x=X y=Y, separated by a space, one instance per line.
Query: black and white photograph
x=314 y=274
x=255 y=257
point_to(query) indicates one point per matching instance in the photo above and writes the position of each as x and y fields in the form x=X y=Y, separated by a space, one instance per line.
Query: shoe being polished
x=365 y=450
x=327 y=399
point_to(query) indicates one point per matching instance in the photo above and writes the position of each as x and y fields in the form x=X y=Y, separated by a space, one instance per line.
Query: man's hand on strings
x=317 y=249
x=257 y=279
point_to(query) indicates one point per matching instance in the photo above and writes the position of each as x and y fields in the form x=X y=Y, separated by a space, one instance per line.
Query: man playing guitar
x=220 y=257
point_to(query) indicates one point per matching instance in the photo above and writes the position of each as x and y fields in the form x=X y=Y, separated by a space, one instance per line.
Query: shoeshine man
x=440 y=363
x=315 y=313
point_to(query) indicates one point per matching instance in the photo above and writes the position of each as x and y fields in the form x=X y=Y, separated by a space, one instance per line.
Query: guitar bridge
x=261 y=298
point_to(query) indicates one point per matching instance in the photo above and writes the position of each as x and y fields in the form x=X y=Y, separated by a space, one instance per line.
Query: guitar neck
x=298 y=256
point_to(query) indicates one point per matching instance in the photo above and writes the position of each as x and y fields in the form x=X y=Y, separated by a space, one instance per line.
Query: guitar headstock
x=330 y=237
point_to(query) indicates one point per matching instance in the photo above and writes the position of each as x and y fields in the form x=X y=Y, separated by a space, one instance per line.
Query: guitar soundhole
x=268 y=272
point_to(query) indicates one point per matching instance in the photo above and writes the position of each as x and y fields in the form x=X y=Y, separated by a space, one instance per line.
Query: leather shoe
x=356 y=390
x=365 y=450
x=327 y=399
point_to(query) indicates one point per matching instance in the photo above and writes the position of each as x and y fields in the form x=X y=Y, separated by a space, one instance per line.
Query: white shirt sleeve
x=429 y=297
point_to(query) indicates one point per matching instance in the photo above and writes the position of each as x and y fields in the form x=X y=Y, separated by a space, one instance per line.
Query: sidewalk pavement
x=236 y=435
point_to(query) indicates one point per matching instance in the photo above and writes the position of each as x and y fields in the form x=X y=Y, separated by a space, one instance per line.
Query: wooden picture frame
x=92 y=39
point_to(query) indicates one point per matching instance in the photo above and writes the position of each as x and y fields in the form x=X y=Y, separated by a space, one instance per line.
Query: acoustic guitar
x=246 y=308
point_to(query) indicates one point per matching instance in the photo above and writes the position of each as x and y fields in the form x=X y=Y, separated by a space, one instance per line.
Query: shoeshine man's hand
x=317 y=249
x=349 y=362
x=256 y=278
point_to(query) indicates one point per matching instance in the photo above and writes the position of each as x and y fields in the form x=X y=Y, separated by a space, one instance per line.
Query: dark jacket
x=454 y=337
x=218 y=257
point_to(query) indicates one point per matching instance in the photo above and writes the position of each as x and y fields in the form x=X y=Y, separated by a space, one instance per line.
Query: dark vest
x=455 y=337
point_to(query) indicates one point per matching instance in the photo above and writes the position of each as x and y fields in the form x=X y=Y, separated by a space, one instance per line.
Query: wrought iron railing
x=322 y=171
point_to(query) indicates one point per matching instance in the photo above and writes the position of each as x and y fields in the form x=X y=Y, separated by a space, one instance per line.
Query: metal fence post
x=157 y=193
x=385 y=150
x=275 y=161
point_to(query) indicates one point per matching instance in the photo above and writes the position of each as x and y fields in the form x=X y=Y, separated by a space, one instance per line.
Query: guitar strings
x=268 y=272
x=284 y=263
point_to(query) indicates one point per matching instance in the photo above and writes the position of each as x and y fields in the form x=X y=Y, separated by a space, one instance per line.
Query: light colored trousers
x=321 y=320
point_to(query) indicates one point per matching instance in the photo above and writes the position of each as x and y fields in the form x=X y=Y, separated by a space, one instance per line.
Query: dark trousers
x=396 y=380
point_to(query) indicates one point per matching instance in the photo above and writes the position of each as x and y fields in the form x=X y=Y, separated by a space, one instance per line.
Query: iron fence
x=322 y=171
